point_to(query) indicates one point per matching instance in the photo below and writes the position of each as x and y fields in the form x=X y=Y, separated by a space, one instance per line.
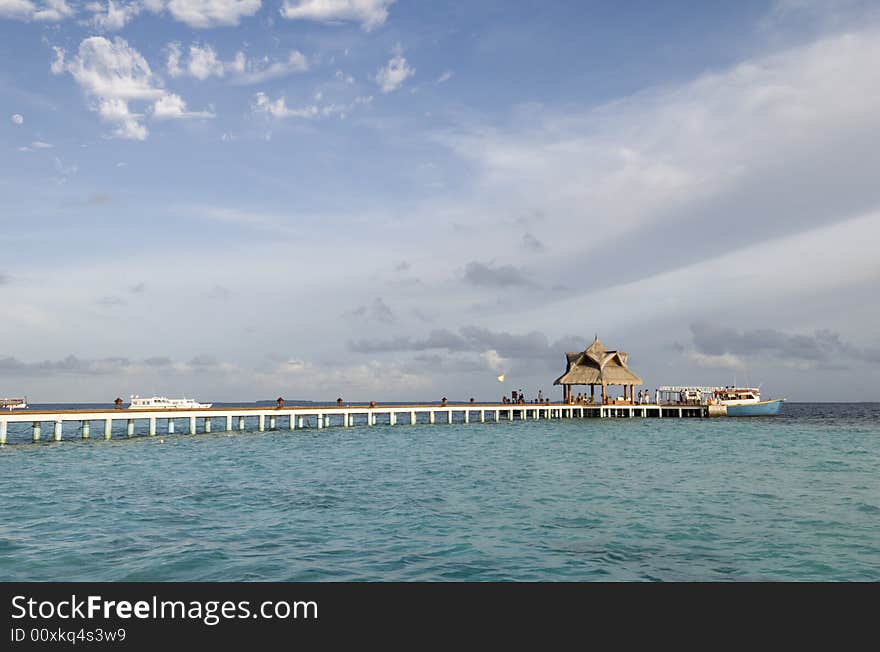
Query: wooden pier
x=232 y=419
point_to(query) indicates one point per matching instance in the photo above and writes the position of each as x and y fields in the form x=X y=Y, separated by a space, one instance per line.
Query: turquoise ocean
x=794 y=497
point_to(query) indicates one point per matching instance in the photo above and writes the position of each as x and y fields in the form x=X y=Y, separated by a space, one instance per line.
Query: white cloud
x=445 y=77
x=495 y=361
x=112 y=74
x=722 y=361
x=112 y=16
x=113 y=69
x=172 y=64
x=394 y=73
x=57 y=66
x=20 y=9
x=48 y=11
x=278 y=108
x=207 y=13
x=369 y=13
x=128 y=125
x=202 y=62
x=258 y=71
x=172 y=107
x=17 y=119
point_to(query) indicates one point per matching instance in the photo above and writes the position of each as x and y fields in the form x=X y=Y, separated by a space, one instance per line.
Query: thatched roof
x=597 y=365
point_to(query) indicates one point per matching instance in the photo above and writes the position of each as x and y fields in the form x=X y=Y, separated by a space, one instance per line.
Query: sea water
x=794 y=497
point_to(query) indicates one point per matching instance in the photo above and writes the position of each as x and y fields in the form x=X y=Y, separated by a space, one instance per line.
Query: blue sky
x=240 y=199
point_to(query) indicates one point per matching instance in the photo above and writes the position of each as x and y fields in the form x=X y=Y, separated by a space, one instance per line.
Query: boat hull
x=760 y=409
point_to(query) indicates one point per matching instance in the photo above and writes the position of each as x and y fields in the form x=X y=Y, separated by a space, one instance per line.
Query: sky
x=400 y=200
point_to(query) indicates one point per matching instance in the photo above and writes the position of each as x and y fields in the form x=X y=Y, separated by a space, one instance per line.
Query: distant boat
x=13 y=403
x=165 y=403
x=746 y=402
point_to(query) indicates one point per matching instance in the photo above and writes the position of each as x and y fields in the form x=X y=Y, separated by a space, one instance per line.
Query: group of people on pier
x=519 y=398
x=643 y=398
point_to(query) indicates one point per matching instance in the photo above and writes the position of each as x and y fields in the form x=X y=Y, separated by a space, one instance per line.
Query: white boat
x=746 y=402
x=13 y=403
x=165 y=403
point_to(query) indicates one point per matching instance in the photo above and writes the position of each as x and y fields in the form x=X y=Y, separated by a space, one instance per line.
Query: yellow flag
x=501 y=378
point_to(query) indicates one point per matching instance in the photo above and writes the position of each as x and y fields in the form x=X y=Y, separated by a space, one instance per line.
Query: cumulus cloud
x=391 y=76
x=48 y=11
x=369 y=13
x=172 y=107
x=112 y=74
x=202 y=62
x=113 y=16
x=207 y=13
x=17 y=119
x=494 y=361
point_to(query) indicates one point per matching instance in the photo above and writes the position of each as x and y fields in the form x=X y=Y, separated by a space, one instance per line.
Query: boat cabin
x=737 y=394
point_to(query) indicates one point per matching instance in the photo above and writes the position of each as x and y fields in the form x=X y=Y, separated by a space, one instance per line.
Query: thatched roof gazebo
x=597 y=366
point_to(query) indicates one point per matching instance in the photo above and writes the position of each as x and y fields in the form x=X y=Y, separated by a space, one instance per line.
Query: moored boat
x=165 y=403
x=13 y=403
x=746 y=402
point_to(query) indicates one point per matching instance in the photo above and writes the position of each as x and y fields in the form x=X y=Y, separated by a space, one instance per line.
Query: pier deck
x=231 y=419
